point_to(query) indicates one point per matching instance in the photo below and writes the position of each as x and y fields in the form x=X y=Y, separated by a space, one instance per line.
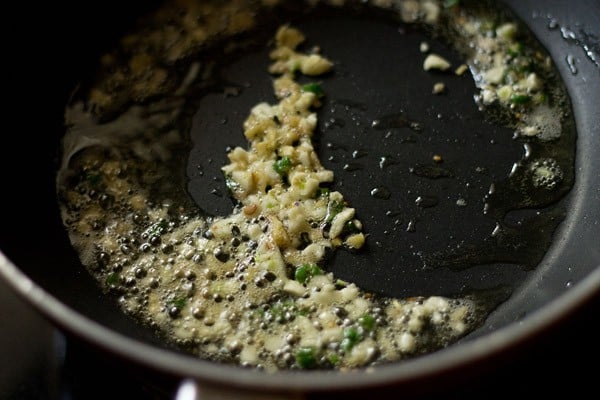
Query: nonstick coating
x=378 y=75
x=45 y=270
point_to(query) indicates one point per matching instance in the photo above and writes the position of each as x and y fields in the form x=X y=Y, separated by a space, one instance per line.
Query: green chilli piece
x=306 y=357
x=301 y=274
x=367 y=321
x=520 y=99
x=333 y=209
x=315 y=88
x=305 y=272
x=315 y=270
x=113 y=279
x=333 y=359
x=351 y=338
x=282 y=166
x=178 y=302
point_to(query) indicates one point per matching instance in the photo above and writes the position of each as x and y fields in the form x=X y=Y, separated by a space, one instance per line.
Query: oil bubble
x=546 y=173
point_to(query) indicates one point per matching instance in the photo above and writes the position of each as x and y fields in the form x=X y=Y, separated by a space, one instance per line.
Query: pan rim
x=452 y=358
x=438 y=363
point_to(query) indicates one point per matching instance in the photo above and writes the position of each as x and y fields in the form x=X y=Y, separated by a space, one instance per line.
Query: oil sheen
x=247 y=282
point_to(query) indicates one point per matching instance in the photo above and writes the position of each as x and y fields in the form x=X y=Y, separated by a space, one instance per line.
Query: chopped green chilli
x=306 y=357
x=282 y=166
x=520 y=99
x=314 y=88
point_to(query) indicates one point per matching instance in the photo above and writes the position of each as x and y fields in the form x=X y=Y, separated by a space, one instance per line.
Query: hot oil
x=365 y=163
x=533 y=174
x=538 y=182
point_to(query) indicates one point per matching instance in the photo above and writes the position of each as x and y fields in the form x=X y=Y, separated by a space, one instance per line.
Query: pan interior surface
x=380 y=129
x=351 y=105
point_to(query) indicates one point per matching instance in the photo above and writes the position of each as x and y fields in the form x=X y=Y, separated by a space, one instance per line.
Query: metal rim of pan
x=452 y=358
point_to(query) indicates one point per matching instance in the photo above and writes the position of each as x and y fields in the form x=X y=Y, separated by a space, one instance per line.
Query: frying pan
x=38 y=261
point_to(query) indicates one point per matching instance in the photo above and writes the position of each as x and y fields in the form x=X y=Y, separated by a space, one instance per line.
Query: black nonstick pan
x=555 y=275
